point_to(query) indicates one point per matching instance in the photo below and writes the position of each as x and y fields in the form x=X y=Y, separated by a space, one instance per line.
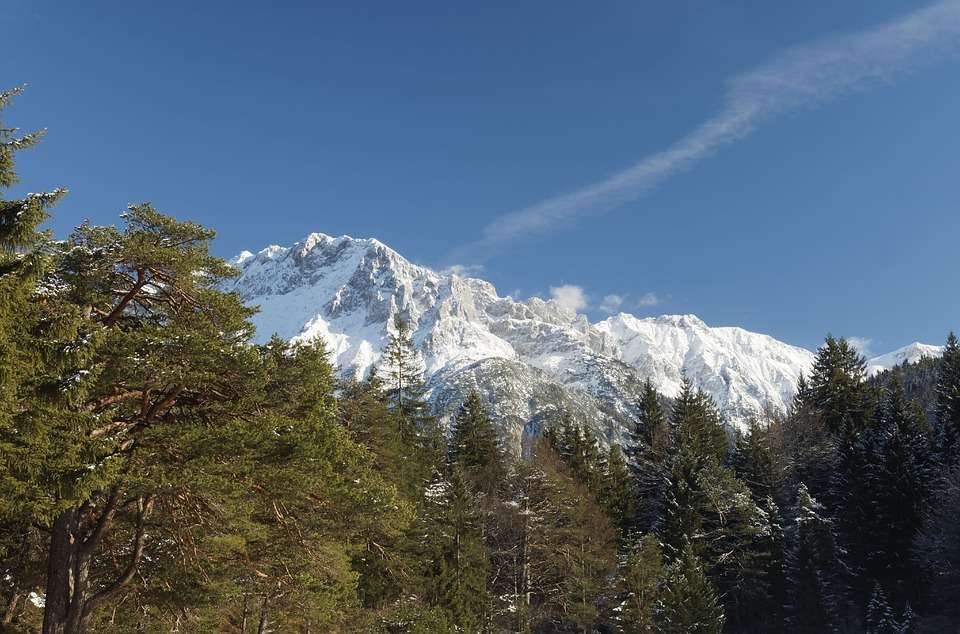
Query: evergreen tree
x=617 y=491
x=566 y=548
x=578 y=450
x=649 y=452
x=475 y=446
x=900 y=477
x=818 y=596
x=689 y=601
x=937 y=549
x=708 y=508
x=808 y=446
x=401 y=372
x=24 y=260
x=837 y=388
x=880 y=618
x=457 y=558
x=644 y=577
x=948 y=403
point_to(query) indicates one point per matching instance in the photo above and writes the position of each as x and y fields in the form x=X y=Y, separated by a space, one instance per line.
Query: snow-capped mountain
x=525 y=357
x=907 y=354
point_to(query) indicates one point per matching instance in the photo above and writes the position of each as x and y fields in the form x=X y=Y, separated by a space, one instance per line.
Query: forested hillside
x=160 y=472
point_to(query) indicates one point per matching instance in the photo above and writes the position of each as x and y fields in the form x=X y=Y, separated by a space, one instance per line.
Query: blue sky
x=487 y=134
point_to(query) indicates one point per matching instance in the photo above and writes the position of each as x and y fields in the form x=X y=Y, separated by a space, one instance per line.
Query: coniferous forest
x=159 y=472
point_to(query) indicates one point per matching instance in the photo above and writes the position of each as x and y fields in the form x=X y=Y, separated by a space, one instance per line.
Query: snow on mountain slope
x=523 y=356
x=907 y=354
x=742 y=370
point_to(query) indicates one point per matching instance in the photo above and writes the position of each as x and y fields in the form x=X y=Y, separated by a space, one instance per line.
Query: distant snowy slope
x=907 y=354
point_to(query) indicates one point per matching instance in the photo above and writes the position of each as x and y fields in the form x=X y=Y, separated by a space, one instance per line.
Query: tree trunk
x=59 y=591
x=264 y=611
x=69 y=603
x=246 y=614
x=11 y=608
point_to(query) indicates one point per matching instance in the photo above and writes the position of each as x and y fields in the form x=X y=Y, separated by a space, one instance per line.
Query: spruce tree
x=937 y=549
x=900 y=475
x=817 y=577
x=710 y=509
x=401 y=371
x=644 y=577
x=24 y=261
x=475 y=446
x=457 y=558
x=948 y=403
x=617 y=491
x=880 y=619
x=838 y=390
x=689 y=601
x=649 y=453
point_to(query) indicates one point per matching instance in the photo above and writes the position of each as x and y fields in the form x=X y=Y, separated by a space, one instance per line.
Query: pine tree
x=948 y=403
x=566 y=550
x=880 y=619
x=649 y=453
x=458 y=561
x=817 y=578
x=644 y=576
x=617 y=491
x=689 y=601
x=838 y=390
x=937 y=549
x=401 y=370
x=900 y=480
x=475 y=446
x=24 y=260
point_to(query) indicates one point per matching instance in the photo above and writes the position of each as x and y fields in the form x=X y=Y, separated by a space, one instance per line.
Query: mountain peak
x=347 y=291
x=910 y=353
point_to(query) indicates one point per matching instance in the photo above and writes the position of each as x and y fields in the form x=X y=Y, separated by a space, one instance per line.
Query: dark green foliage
x=457 y=560
x=652 y=444
x=837 y=388
x=617 y=491
x=948 y=404
x=644 y=580
x=817 y=577
x=709 y=509
x=901 y=477
x=578 y=449
x=937 y=549
x=475 y=446
x=880 y=619
x=919 y=380
x=689 y=601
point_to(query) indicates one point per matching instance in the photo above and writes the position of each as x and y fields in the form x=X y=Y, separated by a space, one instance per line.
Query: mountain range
x=526 y=358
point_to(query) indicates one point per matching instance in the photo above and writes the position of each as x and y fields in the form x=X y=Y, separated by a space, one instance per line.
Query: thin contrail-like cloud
x=796 y=78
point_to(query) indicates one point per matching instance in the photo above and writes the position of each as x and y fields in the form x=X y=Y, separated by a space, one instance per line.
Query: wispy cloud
x=569 y=296
x=611 y=303
x=796 y=78
x=863 y=345
x=648 y=300
x=463 y=270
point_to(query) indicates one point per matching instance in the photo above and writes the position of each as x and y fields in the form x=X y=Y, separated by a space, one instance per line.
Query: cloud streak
x=801 y=77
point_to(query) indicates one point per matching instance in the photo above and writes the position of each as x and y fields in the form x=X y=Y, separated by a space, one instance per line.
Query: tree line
x=160 y=472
